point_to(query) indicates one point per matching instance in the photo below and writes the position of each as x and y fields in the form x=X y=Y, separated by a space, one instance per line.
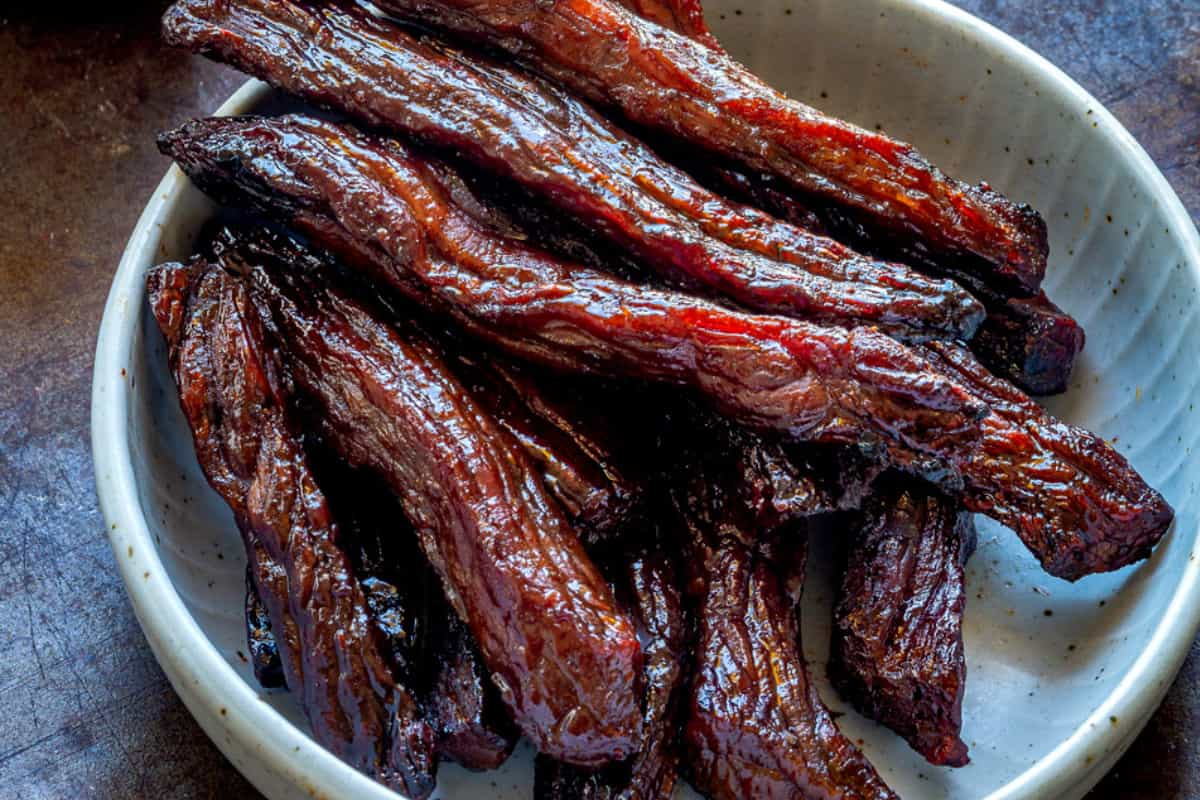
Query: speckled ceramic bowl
x=1062 y=677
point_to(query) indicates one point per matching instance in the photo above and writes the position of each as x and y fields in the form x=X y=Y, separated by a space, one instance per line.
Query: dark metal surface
x=84 y=710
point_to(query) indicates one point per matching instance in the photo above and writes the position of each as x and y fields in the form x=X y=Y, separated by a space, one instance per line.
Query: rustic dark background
x=84 y=710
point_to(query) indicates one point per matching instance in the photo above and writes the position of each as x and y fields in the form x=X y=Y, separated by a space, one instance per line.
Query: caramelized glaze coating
x=384 y=210
x=663 y=81
x=578 y=467
x=1073 y=499
x=897 y=651
x=647 y=583
x=557 y=147
x=231 y=396
x=682 y=16
x=563 y=656
x=1027 y=340
x=756 y=726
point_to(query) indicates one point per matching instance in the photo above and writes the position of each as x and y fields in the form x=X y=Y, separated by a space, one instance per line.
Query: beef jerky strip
x=570 y=444
x=260 y=638
x=685 y=17
x=663 y=81
x=755 y=724
x=425 y=638
x=564 y=657
x=578 y=468
x=775 y=482
x=554 y=145
x=1073 y=499
x=385 y=210
x=232 y=400
x=647 y=583
x=1027 y=340
x=897 y=650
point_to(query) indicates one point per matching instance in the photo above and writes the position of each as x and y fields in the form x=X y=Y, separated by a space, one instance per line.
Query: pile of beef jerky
x=522 y=394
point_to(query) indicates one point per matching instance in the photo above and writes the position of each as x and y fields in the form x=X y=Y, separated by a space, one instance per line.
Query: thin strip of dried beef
x=1072 y=498
x=663 y=81
x=338 y=55
x=424 y=637
x=232 y=398
x=755 y=724
x=384 y=210
x=1025 y=339
x=897 y=651
x=682 y=16
x=564 y=657
x=647 y=583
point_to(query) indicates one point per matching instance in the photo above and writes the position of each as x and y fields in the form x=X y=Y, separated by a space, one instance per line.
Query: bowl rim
x=231 y=711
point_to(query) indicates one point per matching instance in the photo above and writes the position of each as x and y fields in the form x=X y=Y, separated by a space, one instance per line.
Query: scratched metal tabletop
x=84 y=709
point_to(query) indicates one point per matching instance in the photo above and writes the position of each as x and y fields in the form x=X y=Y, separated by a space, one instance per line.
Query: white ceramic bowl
x=1062 y=677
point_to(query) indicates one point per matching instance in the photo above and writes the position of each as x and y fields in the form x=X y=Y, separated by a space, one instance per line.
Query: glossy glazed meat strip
x=682 y=16
x=1027 y=340
x=1073 y=499
x=564 y=657
x=755 y=725
x=647 y=583
x=233 y=402
x=897 y=651
x=576 y=464
x=425 y=639
x=663 y=81
x=567 y=441
x=385 y=210
x=555 y=146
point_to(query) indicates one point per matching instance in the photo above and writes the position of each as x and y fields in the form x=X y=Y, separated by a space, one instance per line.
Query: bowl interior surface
x=1061 y=676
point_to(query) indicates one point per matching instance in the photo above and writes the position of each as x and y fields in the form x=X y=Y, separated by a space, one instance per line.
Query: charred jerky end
x=663 y=81
x=384 y=210
x=555 y=146
x=562 y=654
x=1031 y=342
x=897 y=650
x=264 y=652
x=231 y=397
x=649 y=585
x=756 y=726
x=1074 y=500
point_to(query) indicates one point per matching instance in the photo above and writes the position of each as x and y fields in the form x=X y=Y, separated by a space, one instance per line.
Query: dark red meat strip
x=897 y=649
x=384 y=210
x=647 y=583
x=557 y=147
x=427 y=642
x=663 y=81
x=597 y=493
x=682 y=16
x=233 y=403
x=1073 y=499
x=756 y=726
x=564 y=657
x=1027 y=340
